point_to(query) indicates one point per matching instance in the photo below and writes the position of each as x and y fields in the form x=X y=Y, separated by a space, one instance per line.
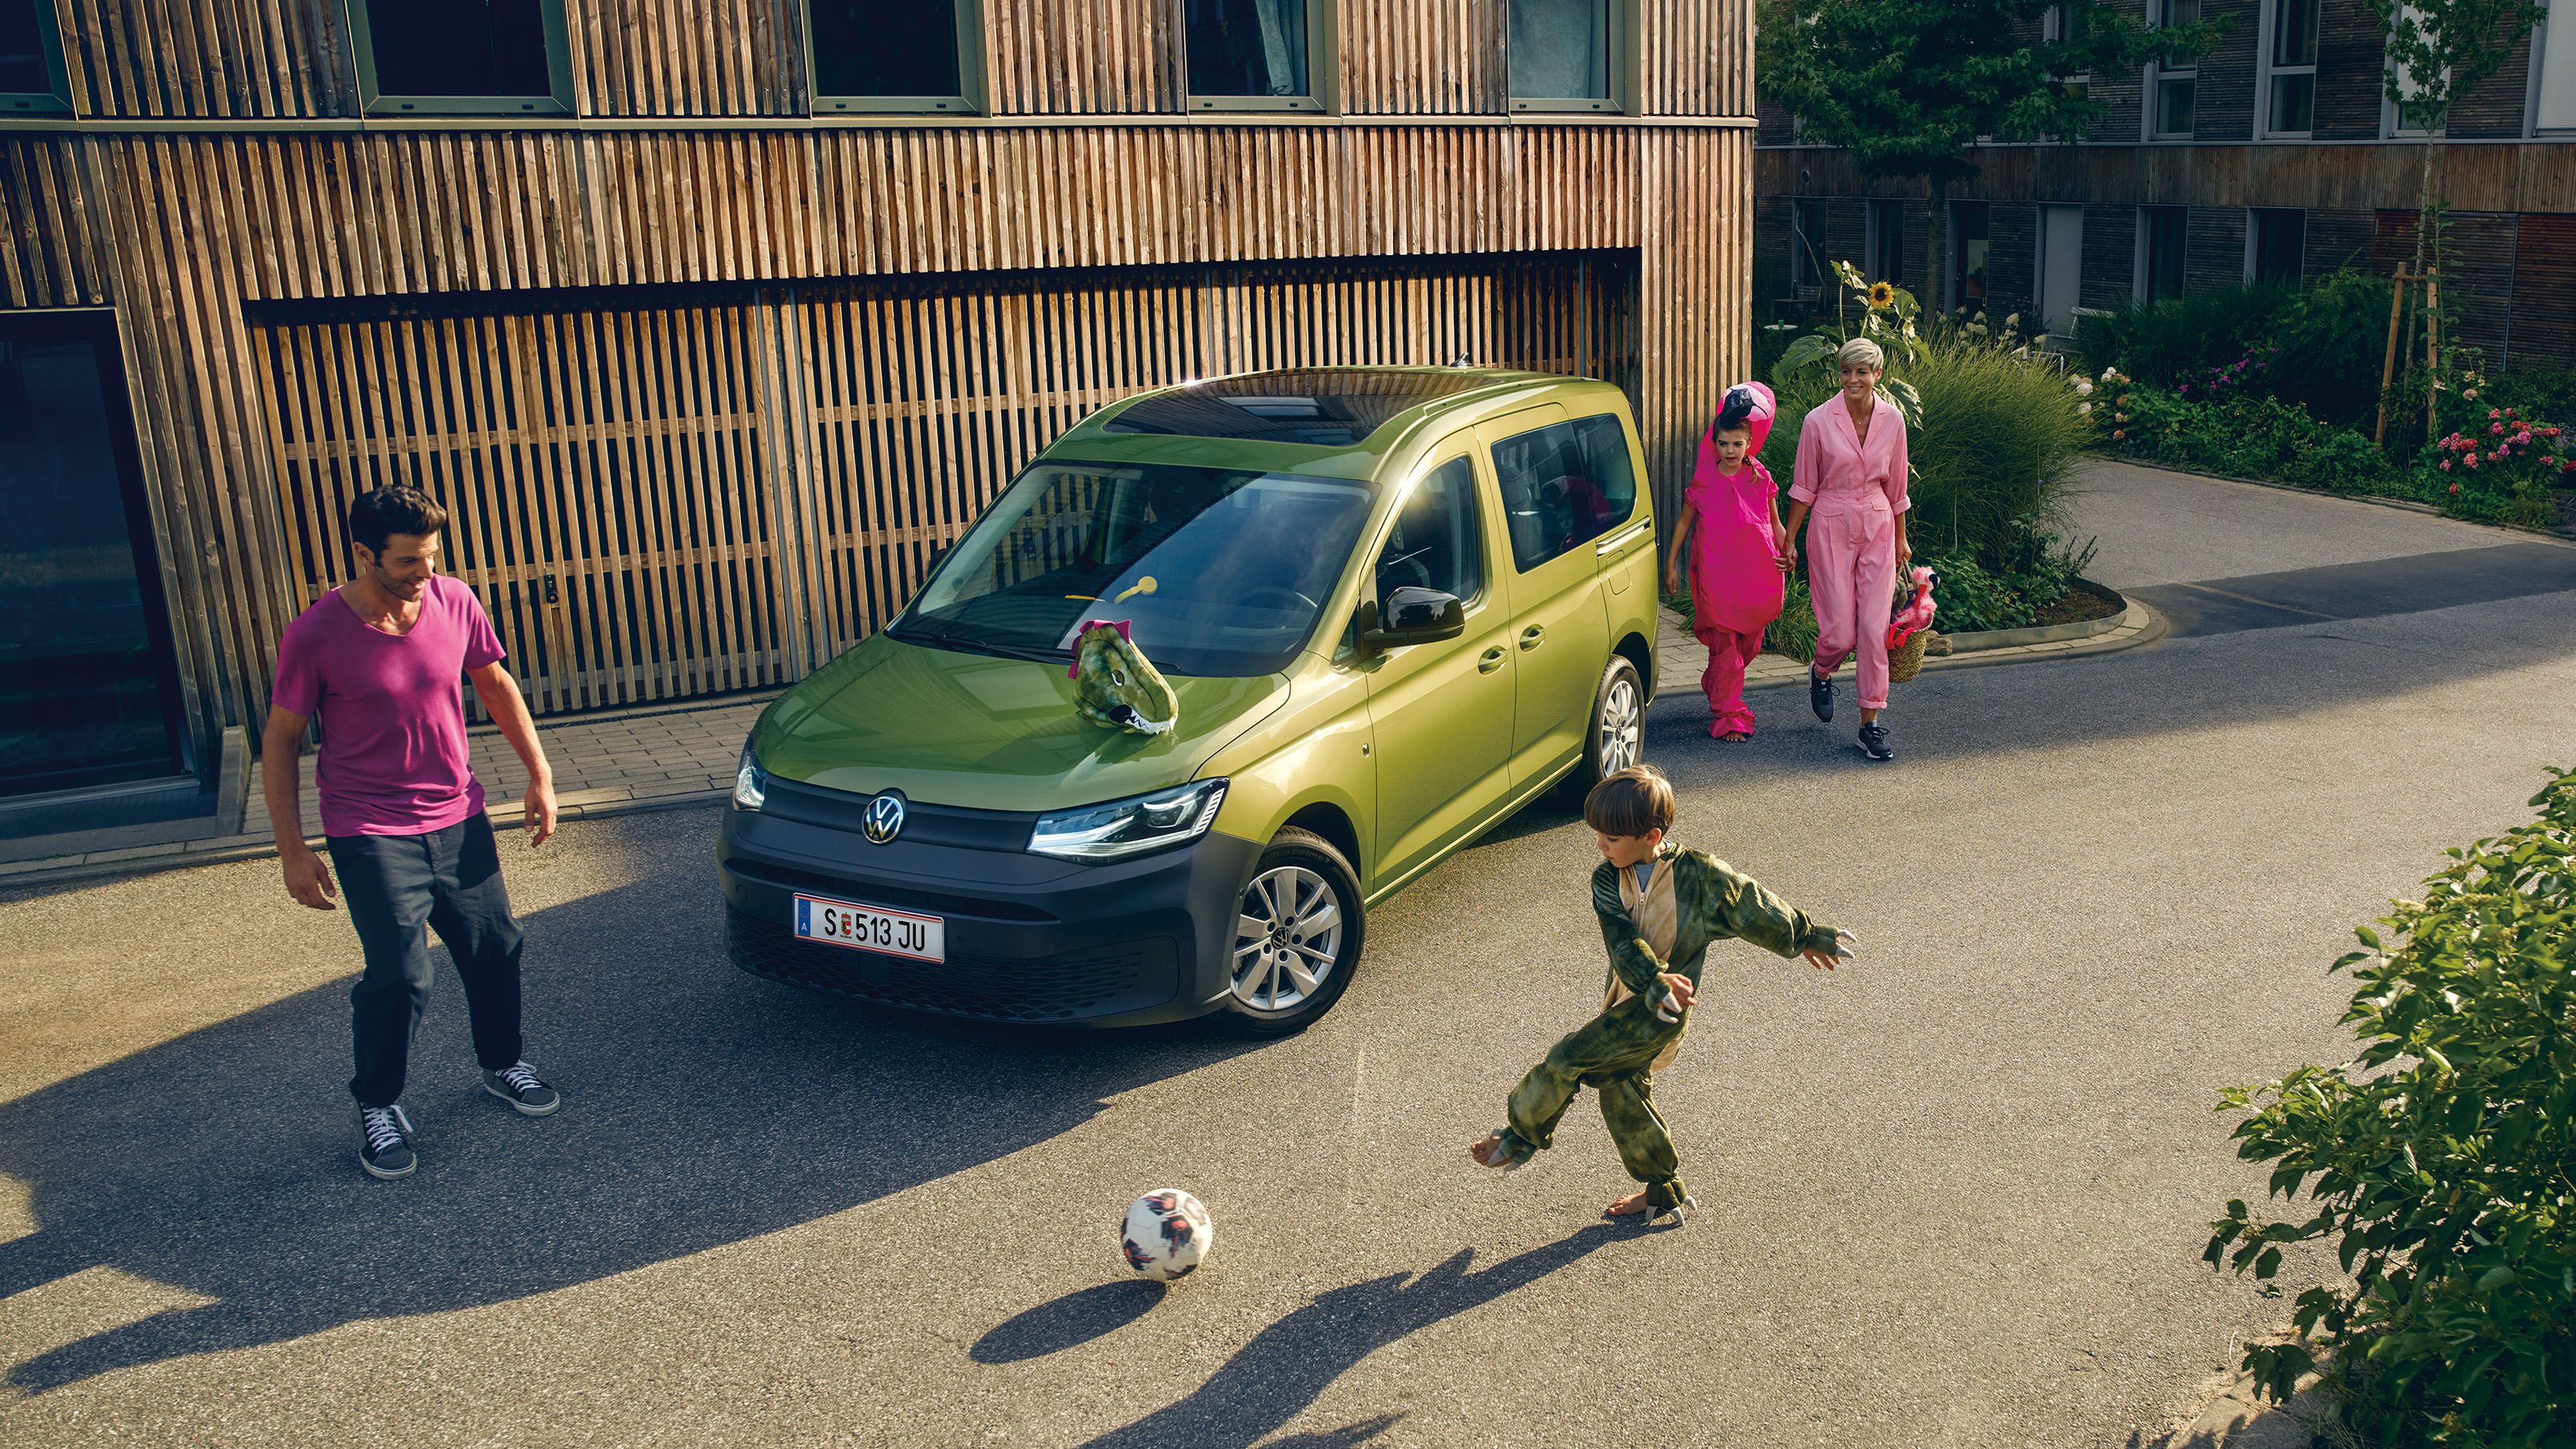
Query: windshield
x=1222 y=571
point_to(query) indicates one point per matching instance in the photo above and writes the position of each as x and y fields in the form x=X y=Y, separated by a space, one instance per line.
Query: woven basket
x=1906 y=660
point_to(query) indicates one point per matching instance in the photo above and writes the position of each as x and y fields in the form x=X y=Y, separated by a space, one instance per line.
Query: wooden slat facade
x=722 y=388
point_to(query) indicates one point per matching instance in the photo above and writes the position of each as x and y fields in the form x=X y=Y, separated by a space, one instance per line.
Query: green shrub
x=2162 y=342
x=2441 y=1160
x=1794 y=632
x=2332 y=337
x=2503 y=467
x=2251 y=438
x=2321 y=347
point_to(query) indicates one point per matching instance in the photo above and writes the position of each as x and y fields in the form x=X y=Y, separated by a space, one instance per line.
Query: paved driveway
x=1955 y=1194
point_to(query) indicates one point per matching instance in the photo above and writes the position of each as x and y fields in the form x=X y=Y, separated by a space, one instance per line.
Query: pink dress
x=1735 y=582
x=1854 y=492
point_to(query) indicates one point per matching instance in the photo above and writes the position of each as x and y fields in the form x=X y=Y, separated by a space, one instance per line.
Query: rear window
x=1564 y=485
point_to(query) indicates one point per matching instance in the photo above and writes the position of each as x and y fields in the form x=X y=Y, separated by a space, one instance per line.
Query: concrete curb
x=2135 y=627
x=1978 y=641
x=2376 y=500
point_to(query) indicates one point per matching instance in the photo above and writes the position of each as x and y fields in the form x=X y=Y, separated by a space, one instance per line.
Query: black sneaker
x=384 y=1142
x=519 y=1087
x=1820 y=695
x=1873 y=742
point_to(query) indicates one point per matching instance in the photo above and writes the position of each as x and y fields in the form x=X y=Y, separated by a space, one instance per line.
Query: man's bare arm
x=509 y=711
x=281 y=779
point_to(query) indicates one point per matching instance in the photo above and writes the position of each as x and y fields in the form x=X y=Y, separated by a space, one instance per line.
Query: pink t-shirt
x=392 y=708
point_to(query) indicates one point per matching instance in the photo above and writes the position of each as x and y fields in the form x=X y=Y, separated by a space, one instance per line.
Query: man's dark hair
x=1632 y=802
x=379 y=514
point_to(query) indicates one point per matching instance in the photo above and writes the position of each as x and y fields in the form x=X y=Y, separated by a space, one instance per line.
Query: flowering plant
x=2508 y=462
x=2249 y=375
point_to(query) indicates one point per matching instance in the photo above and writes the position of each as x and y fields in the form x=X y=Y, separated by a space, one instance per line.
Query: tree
x=1908 y=86
x=2438 y=50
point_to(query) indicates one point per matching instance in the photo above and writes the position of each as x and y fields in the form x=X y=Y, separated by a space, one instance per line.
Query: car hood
x=980 y=733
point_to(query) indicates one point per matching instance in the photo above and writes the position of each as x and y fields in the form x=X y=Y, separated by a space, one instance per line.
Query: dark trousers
x=450 y=881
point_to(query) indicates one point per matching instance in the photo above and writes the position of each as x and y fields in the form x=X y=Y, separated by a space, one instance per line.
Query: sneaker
x=384 y=1142
x=519 y=1087
x=1820 y=695
x=1873 y=742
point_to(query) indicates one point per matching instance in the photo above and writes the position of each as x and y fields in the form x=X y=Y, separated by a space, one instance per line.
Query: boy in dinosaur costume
x=1660 y=908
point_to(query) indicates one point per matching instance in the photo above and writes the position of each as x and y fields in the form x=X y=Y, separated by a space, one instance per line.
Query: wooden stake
x=2388 y=364
x=2432 y=348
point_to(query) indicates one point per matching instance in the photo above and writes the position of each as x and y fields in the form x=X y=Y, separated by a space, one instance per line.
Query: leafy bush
x=2333 y=337
x=1794 y=632
x=2503 y=467
x=2250 y=438
x=2037 y=572
x=2161 y=342
x=2320 y=347
x=2441 y=1160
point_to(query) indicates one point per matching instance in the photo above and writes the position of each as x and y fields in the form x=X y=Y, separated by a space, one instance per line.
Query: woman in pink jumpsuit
x=1738 y=549
x=1851 y=477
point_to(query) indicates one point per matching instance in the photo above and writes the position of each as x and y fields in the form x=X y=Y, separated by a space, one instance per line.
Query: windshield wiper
x=914 y=633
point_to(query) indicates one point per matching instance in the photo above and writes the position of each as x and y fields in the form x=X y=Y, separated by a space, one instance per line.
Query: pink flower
x=2493 y=428
x=2473 y=460
x=2549 y=432
x=2446 y=465
x=2493 y=413
x=2455 y=488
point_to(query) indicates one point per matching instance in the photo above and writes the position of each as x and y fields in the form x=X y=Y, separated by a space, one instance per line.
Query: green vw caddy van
x=1393 y=604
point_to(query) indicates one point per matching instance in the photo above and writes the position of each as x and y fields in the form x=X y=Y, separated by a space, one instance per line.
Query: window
x=2059 y=26
x=1563 y=486
x=2290 y=67
x=2061 y=266
x=31 y=60
x=2160 y=251
x=1563 y=55
x=462 y=57
x=1968 y=236
x=2276 y=240
x=2173 y=92
x=1807 y=243
x=920 y=55
x=1251 y=54
x=1435 y=543
x=2554 y=109
x=1885 y=244
x=2406 y=117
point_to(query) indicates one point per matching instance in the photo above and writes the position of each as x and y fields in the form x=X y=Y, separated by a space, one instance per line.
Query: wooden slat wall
x=688 y=57
x=209 y=58
x=1423 y=57
x=1696 y=57
x=54 y=249
x=1082 y=57
x=1697 y=271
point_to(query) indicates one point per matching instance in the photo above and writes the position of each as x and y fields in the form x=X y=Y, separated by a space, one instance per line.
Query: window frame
x=1495 y=440
x=1457 y=448
x=2269 y=69
x=1323 y=64
x=1873 y=228
x=2053 y=29
x=2538 y=81
x=1618 y=52
x=1954 y=279
x=970 y=99
x=2160 y=13
x=2392 y=116
x=49 y=44
x=374 y=101
x=2143 y=273
x=1807 y=248
x=2254 y=218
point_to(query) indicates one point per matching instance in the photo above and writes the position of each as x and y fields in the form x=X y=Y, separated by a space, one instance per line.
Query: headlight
x=750 y=786
x=1130 y=827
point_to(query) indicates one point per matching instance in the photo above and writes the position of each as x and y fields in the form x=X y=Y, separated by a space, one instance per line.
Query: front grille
x=1127 y=976
x=868 y=893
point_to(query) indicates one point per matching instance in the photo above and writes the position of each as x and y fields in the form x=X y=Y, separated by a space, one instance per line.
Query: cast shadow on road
x=702 y=1107
x=1288 y=1365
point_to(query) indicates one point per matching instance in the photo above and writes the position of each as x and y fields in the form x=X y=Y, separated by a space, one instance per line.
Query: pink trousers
x=1851 y=578
x=1729 y=652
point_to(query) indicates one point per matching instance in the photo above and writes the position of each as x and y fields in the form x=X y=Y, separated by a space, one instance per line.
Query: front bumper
x=1028 y=937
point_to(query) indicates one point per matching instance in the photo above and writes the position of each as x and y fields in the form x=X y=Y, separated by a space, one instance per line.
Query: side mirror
x=1412 y=615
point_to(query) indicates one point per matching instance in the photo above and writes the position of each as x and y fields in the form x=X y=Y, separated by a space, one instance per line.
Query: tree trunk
x=1937 y=297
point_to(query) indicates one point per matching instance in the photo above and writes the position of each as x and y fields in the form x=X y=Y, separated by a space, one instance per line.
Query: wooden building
x=711 y=320
x=2276 y=156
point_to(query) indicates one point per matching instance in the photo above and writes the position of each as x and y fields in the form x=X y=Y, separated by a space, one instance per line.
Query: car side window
x=1564 y=485
x=1436 y=543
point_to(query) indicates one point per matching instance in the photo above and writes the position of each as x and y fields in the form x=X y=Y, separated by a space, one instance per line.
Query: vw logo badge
x=884 y=818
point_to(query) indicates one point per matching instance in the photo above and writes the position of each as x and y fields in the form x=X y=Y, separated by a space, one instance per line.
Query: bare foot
x=1488 y=1151
x=1626 y=1207
x=1735 y=737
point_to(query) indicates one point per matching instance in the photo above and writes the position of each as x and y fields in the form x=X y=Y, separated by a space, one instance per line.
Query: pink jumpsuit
x=1735 y=582
x=1855 y=492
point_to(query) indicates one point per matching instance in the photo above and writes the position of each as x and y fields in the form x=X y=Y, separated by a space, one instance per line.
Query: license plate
x=868 y=928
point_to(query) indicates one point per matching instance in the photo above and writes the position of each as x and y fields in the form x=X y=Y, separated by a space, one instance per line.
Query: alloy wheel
x=1622 y=725
x=1287 y=938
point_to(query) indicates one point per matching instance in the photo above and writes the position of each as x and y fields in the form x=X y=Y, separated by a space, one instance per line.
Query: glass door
x=89 y=693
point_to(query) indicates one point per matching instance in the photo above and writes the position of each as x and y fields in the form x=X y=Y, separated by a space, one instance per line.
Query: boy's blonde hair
x=1635 y=801
x=1861 y=352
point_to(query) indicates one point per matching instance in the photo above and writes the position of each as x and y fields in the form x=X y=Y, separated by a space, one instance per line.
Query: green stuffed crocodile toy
x=1113 y=685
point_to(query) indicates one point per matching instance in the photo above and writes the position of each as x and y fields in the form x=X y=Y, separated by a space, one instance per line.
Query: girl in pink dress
x=1739 y=552
x=1850 y=474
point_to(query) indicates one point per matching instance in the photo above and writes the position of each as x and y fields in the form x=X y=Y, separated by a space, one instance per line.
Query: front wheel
x=1617 y=736
x=1297 y=937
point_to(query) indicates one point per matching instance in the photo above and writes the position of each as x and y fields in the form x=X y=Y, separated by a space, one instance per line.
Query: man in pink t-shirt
x=378 y=659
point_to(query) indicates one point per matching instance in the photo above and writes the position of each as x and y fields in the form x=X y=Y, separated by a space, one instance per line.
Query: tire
x=1616 y=737
x=1297 y=876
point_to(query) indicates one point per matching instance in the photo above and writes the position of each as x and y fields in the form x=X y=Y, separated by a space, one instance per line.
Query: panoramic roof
x=1330 y=407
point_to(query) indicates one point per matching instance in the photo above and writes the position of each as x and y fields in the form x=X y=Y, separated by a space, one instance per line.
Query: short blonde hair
x=1861 y=352
x=1631 y=802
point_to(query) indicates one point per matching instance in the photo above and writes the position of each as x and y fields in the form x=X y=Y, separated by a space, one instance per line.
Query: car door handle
x=1490 y=660
x=1532 y=637
x=1626 y=537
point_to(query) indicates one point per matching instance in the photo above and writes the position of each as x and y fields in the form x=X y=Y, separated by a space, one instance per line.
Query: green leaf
x=2368 y=936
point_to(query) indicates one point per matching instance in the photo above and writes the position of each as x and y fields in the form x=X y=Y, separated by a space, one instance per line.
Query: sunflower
x=1881 y=296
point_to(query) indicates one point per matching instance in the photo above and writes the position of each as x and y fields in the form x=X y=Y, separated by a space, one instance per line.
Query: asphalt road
x=1954 y=1194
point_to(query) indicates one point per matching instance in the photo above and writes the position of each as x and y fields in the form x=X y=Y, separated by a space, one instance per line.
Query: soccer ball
x=1166 y=1233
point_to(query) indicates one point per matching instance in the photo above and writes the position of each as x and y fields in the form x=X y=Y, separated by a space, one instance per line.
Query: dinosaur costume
x=1666 y=923
x=1115 y=687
